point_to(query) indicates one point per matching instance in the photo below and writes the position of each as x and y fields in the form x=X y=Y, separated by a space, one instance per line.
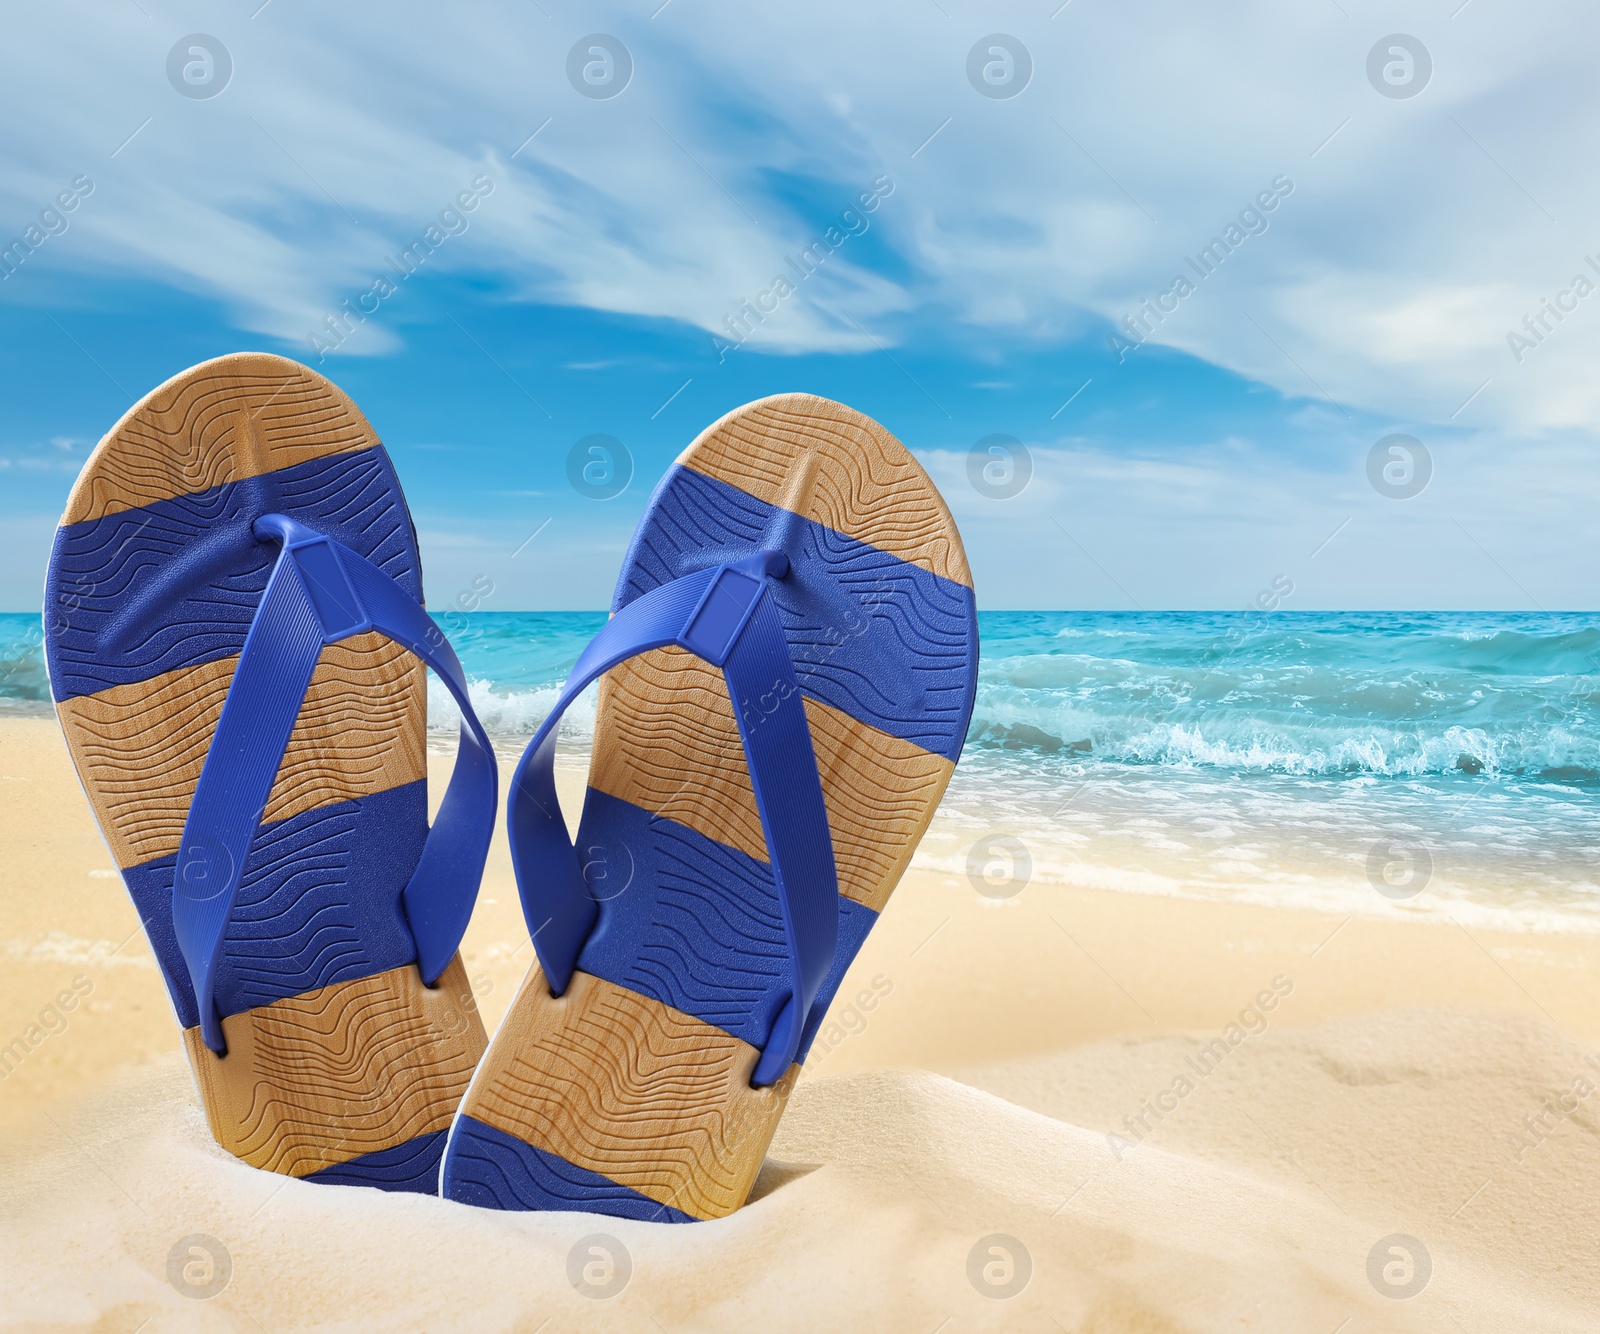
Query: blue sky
x=1009 y=240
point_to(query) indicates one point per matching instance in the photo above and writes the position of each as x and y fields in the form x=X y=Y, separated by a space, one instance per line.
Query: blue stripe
x=691 y=922
x=176 y=583
x=855 y=921
x=489 y=1168
x=319 y=903
x=412 y=1166
x=880 y=639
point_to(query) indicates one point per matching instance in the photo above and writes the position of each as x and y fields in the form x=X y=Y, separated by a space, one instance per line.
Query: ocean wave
x=511 y=712
x=1244 y=745
x=22 y=671
x=1101 y=632
x=1390 y=694
x=1469 y=643
x=1338 y=693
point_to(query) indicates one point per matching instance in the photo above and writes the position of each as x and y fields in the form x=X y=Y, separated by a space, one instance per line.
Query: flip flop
x=729 y=863
x=236 y=639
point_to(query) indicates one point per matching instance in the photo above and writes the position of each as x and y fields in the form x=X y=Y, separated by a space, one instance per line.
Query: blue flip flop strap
x=723 y=616
x=319 y=592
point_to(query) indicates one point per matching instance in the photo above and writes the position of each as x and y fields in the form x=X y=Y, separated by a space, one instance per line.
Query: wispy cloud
x=1390 y=278
x=1416 y=239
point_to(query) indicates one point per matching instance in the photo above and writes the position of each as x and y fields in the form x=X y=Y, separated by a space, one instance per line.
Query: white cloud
x=1495 y=528
x=1416 y=236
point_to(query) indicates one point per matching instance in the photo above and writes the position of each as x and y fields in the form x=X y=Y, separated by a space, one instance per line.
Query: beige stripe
x=839 y=468
x=667 y=741
x=233 y=417
x=139 y=748
x=647 y=1096
x=344 y=1070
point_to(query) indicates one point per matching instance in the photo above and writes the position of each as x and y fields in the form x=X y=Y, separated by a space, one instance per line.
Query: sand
x=1056 y=1070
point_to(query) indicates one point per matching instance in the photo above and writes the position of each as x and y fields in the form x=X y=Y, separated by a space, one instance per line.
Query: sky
x=1195 y=265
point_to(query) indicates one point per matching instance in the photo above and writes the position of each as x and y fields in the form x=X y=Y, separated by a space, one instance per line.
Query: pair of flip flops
x=237 y=648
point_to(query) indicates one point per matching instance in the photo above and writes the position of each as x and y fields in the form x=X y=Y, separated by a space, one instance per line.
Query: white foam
x=511 y=712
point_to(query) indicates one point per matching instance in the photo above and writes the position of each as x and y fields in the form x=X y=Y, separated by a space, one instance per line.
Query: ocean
x=1436 y=763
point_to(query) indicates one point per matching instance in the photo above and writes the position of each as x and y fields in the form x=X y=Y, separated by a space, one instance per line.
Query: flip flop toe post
x=236 y=645
x=785 y=685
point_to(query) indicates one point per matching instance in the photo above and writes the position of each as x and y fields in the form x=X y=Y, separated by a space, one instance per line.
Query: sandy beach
x=1075 y=519
x=1174 y=1115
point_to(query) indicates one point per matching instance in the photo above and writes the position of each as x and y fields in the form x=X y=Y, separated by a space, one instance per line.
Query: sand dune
x=1255 y=1206
x=1415 y=1122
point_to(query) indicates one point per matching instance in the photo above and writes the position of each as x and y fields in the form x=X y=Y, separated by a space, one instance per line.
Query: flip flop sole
x=340 y=1065
x=630 y=1094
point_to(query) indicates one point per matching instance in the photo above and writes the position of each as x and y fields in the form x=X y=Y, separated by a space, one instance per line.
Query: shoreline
x=1081 y=965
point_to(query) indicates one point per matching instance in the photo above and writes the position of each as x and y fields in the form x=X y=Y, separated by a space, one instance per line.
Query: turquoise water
x=22 y=675
x=1441 y=763
x=1253 y=754
x=1391 y=694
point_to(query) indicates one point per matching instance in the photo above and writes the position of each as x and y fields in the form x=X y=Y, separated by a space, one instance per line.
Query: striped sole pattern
x=630 y=1094
x=341 y=1066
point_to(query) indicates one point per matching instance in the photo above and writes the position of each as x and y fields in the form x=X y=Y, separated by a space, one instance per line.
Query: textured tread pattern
x=341 y=1072
x=620 y=1085
x=872 y=635
x=139 y=748
x=839 y=468
x=319 y=903
x=177 y=583
x=667 y=713
x=715 y=944
x=494 y=1170
x=683 y=919
x=637 y=1080
x=235 y=417
x=693 y=923
x=340 y=1065
x=412 y=1166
